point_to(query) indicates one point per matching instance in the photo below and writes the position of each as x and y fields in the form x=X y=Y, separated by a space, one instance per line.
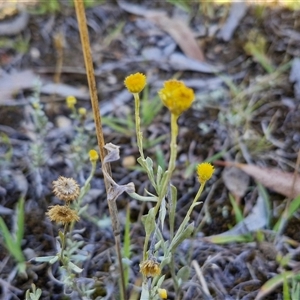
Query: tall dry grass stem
x=80 y=13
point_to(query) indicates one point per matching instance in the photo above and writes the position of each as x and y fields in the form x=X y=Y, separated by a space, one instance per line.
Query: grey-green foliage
x=41 y=127
x=35 y=294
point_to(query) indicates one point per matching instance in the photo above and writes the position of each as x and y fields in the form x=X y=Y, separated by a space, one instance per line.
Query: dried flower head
x=176 y=96
x=204 y=172
x=93 y=155
x=163 y=293
x=71 y=101
x=62 y=214
x=135 y=83
x=66 y=189
x=150 y=268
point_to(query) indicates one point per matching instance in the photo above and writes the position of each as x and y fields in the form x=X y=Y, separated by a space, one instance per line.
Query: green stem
x=85 y=188
x=173 y=274
x=173 y=149
x=188 y=214
x=195 y=200
x=169 y=172
x=139 y=134
x=180 y=229
x=83 y=191
x=172 y=161
x=63 y=242
x=147 y=238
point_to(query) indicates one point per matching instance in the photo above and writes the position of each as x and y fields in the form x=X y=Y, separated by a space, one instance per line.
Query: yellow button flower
x=176 y=96
x=163 y=293
x=93 y=155
x=36 y=105
x=82 y=111
x=135 y=83
x=205 y=172
x=71 y=101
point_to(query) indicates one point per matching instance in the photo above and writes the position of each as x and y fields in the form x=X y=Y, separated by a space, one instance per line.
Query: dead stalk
x=80 y=13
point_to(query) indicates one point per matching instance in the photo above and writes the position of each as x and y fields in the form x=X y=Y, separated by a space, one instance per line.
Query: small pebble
x=129 y=161
x=63 y=122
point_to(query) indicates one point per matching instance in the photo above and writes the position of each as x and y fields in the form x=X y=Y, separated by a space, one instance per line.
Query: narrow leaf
x=185 y=234
x=142 y=198
x=159 y=175
x=295 y=204
x=237 y=211
x=10 y=243
x=75 y=268
x=184 y=273
x=273 y=283
x=172 y=209
x=224 y=239
x=44 y=258
x=162 y=212
x=149 y=221
x=20 y=222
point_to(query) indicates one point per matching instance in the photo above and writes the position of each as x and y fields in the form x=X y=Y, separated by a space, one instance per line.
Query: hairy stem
x=63 y=242
x=139 y=135
x=172 y=161
x=169 y=172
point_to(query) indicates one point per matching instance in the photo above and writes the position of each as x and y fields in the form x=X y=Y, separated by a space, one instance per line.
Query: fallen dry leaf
x=295 y=77
x=179 y=61
x=237 y=12
x=10 y=84
x=14 y=26
x=64 y=90
x=13 y=83
x=180 y=32
x=257 y=219
x=236 y=181
x=176 y=28
x=275 y=179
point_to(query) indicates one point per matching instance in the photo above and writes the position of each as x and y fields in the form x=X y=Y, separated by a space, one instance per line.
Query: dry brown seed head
x=150 y=268
x=66 y=189
x=62 y=214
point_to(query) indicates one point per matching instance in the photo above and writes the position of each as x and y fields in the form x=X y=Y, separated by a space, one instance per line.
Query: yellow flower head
x=66 y=189
x=135 y=83
x=62 y=214
x=71 y=101
x=82 y=111
x=150 y=268
x=93 y=155
x=163 y=293
x=176 y=96
x=36 y=105
x=204 y=172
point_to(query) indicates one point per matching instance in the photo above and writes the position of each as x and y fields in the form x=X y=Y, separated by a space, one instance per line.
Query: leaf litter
x=216 y=124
